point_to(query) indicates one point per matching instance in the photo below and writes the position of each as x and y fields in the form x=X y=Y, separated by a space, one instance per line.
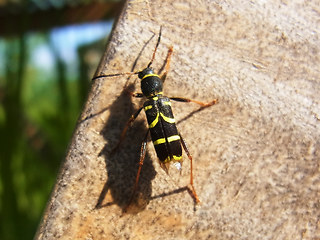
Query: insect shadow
x=122 y=165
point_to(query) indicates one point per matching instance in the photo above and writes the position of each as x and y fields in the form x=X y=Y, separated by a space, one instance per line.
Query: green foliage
x=38 y=113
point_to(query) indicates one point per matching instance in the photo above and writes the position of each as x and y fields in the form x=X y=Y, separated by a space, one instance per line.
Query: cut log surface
x=256 y=153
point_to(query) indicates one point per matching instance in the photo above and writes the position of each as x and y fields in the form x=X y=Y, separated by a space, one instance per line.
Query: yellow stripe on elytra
x=169 y=139
x=150 y=106
x=167 y=103
x=147 y=107
x=173 y=138
x=167 y=119
x=159 y=141
x=175 y=158
x=155 y=121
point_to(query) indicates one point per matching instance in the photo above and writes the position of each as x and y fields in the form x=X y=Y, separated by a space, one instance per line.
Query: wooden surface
x=256 y=153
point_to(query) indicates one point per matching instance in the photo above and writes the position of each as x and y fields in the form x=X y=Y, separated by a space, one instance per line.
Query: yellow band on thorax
x=150 y=75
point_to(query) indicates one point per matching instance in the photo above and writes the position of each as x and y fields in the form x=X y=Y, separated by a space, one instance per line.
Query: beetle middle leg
x=124 y=131
x=202 y=104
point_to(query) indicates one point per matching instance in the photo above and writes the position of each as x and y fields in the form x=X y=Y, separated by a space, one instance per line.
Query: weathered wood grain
x=256 y=153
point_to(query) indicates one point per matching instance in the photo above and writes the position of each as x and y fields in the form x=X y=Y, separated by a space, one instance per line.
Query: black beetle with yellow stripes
x=165 y=136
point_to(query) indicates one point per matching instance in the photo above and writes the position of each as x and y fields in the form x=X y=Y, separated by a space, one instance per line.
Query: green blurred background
x=49 y=51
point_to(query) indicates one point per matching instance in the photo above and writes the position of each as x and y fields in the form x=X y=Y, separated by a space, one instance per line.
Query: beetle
x=167 y=140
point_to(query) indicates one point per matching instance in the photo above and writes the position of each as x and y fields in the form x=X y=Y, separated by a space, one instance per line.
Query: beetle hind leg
x=192 y=190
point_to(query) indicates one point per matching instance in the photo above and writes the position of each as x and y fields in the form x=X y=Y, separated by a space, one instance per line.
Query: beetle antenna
x=114 y=75
x=155 y=49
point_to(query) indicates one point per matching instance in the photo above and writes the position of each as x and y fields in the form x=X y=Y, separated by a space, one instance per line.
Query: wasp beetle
x=166 y=138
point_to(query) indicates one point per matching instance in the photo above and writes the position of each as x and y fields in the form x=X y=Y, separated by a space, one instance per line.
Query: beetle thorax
x=151 y=84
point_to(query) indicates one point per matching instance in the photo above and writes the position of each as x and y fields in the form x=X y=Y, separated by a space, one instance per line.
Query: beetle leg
x=142 y=156
x=193 y=191
x=123 y=134
x=167 y=64
x=202 y=104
